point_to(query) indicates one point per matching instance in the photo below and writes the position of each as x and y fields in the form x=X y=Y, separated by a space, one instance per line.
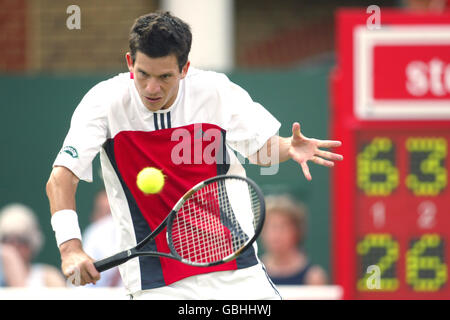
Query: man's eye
x=165 y=76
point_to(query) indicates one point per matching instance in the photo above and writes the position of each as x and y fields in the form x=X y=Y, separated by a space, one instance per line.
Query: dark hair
x=160 y=34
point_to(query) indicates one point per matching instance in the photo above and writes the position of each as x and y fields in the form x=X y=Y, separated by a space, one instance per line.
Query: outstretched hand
x=305 y=149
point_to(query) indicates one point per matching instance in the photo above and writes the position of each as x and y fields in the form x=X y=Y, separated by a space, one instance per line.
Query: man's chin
x=154 y=106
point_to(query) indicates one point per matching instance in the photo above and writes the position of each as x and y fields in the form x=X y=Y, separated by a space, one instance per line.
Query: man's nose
x=152 y=86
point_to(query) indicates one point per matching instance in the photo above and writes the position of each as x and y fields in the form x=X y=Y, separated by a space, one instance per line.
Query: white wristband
x=65 y=225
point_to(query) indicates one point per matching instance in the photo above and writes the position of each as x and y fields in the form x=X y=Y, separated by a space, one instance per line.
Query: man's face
x=156 y=79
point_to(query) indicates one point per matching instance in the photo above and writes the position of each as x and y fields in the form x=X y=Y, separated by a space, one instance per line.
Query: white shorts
x=251 y=283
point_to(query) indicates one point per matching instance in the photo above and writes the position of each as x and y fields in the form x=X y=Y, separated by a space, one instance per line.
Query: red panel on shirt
x=186 y=156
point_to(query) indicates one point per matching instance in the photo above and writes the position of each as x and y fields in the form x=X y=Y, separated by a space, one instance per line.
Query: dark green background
x=36 y=113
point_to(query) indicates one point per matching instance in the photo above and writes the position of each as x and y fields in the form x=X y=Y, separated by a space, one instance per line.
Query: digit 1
x=378 y=211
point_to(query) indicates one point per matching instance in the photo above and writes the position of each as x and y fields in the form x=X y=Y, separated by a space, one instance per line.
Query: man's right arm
x=61 y=189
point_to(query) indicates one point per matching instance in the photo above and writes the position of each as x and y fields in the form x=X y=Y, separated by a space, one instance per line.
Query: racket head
x=216 y=220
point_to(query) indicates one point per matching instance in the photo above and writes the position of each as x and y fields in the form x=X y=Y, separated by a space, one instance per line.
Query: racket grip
x=113 y=261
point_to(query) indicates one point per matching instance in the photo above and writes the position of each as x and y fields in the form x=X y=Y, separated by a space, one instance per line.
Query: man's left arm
x=299 y=148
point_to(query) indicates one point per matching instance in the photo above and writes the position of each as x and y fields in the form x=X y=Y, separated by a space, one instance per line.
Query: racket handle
x=113 y=261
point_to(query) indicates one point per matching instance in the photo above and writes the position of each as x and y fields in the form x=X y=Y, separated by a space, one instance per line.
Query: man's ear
x=129 y=62
x=185 y=69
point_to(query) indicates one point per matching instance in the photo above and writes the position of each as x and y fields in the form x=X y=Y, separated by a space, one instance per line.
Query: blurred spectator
x=19 y=229
x=12 y=268
x=427 y=5
x=99 y=239
x=101 y=207
x=283 y=236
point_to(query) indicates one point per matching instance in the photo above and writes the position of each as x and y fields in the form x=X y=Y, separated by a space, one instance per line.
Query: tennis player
x=164 y=113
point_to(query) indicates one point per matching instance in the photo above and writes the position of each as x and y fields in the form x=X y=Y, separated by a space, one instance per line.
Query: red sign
x=390 y=197
x=411 y=72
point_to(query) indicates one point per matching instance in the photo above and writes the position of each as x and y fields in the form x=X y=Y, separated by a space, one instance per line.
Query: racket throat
x=132 y=253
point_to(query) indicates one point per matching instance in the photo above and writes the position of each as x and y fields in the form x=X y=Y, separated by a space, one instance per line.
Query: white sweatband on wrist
x=65 y=225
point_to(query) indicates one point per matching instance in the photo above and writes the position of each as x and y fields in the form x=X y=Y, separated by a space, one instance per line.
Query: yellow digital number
x=425 y=269
x=382 y=251
x=428 y=176
x=376 y=171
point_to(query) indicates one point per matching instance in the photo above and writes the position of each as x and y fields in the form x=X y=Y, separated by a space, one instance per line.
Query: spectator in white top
x=19 y=228
x=100 y=239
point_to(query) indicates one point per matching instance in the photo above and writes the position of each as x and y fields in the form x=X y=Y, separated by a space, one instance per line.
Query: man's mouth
x=156 y=99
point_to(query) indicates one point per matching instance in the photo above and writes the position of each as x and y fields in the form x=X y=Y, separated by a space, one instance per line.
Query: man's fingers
x=83 y=274
x=296 y=130
x=69 y=271
x=329 y=155
x=93 y=273
x=85 y=277
x=88 y=273
x=322 y=162
x=328 y=143
x=306 y=172
x=73 y=276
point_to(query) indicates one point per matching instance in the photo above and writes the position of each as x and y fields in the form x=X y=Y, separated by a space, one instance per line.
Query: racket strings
x=209 y=227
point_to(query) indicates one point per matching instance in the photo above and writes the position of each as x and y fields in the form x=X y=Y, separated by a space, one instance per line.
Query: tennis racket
x=212 y=223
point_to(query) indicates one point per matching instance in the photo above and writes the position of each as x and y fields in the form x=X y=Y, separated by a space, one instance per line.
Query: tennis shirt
x=194 y=139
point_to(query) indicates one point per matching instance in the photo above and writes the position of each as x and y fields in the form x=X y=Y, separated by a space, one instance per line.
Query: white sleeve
x=249 y=125
x=87 y=133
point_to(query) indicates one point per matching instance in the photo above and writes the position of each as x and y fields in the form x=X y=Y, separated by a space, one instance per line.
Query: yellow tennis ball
x=150 y=180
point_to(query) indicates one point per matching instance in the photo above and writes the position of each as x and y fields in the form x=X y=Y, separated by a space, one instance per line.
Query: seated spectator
x=283 y=234
x=99 y=240
x=12 y=269
x=19 y=228
x=435 y=6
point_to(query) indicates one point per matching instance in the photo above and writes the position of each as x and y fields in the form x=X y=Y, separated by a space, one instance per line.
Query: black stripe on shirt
x=169 y=125
x=155 y=121
x=161 y=117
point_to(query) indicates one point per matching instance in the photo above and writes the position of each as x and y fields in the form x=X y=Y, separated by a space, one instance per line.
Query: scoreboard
x=390 y=98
